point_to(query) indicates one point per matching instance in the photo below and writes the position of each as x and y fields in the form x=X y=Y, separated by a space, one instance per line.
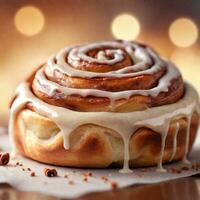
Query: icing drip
x=163 y=140
x=185 y=160
x=175 y=141
x=126 y=168
x=125 y=124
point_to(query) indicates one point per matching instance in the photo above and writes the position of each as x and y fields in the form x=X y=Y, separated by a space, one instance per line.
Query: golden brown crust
x=38 y=137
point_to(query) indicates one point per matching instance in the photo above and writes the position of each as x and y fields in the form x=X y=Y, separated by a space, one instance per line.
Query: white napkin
x=75 y=185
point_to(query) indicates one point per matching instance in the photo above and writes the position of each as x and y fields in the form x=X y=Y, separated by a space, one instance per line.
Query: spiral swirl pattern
x=116 y=76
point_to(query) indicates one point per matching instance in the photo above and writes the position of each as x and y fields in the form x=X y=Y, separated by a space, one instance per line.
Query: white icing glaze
x=118 y=54
x=156 y=118
x=162 y=86
x=185 y=160
x=163 y=141
x=146 y=62
x=143 y=60
x=175 y=141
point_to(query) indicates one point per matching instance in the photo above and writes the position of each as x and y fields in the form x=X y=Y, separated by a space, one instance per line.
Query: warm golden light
x=183 y=32
x=29 y=20
x=125 y=26
x=188 y=61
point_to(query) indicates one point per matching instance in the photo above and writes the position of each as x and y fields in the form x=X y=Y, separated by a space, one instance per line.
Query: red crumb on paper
x=114 y=185
x=71 y=182
x=104 y=178
x=32 y=174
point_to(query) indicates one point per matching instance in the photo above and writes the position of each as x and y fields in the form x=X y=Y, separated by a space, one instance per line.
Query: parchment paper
x=75 y=185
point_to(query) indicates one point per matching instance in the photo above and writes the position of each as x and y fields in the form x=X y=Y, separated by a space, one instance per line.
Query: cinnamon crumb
x=193 y=166
x=17 y=163
x=175 y=170
x=85 y=179
x=198 y=165
x=32 y=174
x=20 y=164
x=185 y=168
x=71 y=182
x=4 y=158
x=23 y=169
x=50 y=172
x=114 y=185
x=104 y=178
x=66 y=176
x=28 y=169
x=87 y=174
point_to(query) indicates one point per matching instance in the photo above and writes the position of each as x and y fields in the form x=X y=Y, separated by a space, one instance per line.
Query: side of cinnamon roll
x=110 y=103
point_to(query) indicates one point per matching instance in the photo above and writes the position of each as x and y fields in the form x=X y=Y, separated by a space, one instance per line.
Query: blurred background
x=32 y=30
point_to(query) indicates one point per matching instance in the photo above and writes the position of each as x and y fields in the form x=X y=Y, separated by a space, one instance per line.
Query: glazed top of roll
x=114 y=76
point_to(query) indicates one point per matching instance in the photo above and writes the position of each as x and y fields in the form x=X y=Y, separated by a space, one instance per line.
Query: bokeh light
x=125 y=26
x=29 y=20
x=183 y=32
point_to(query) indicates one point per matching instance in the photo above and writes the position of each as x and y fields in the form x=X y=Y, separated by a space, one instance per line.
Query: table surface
x=180 y=189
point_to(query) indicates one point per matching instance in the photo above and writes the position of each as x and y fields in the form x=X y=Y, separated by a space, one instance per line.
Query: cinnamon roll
x=110 y=103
